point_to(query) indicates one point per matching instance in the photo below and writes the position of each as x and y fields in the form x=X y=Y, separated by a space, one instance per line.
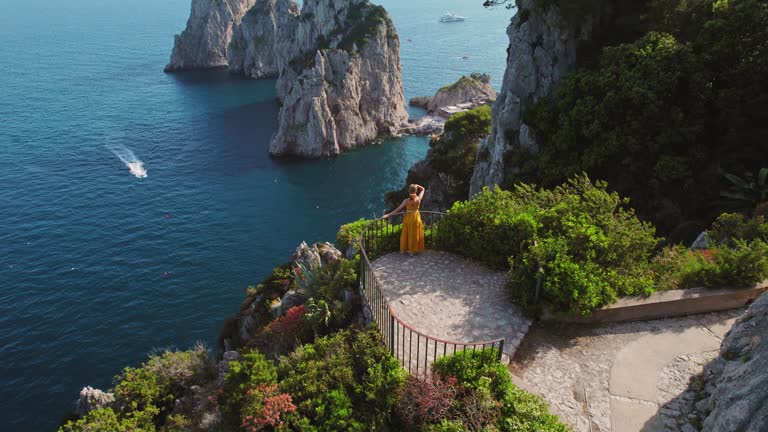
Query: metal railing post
x=392 y=334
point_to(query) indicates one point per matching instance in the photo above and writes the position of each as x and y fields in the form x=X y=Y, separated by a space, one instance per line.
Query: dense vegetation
x=145 y=396
x=578 y=247
x=471 y=391
x=671 y=95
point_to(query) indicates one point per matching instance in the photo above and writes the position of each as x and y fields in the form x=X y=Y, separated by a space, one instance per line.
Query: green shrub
x=144 y=396
x=161 y=380
x=471 y=390
x=571 y=248
x=445 y=426
x=349 y=234
x=106 y=420
x=470 y=367
x=346 y=381
x=733 y=226
x=385 y=238
x=243 y=377
x=742 y=265
x=491 y=227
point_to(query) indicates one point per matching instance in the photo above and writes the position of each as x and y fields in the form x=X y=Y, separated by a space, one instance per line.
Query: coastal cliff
x=203 y=44
x=542 y=51
x=340 y=79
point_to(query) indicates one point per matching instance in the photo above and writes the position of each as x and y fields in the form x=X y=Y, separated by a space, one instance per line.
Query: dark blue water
x=99 y=267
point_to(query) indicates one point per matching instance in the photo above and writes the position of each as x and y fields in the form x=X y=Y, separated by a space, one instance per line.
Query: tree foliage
x=662 y=116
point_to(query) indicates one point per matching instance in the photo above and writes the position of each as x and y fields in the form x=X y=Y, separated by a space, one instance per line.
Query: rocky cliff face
x=340 y=78
x=542 y=51
x=251 y=52
x=203 y=44
x=737 y=381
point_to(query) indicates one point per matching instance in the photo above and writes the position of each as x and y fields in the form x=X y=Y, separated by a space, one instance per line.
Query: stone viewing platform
x=450 y=297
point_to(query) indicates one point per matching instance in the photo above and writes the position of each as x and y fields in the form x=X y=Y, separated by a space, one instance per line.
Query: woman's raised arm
x=400 y=207
x=421 y=191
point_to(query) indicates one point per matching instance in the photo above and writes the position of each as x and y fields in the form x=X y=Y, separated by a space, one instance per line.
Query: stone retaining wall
x=670 y=303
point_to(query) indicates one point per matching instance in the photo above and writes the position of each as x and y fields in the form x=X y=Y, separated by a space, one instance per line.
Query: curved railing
x=414 y=349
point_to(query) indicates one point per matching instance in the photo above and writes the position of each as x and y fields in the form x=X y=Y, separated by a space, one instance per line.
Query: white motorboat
x=451 y=17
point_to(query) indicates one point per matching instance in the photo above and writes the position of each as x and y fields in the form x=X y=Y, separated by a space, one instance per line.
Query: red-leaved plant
x=280 y=335
x=429 y=400
x=271 y=407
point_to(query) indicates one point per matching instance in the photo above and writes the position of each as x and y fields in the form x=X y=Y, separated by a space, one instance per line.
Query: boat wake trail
x=134 y=165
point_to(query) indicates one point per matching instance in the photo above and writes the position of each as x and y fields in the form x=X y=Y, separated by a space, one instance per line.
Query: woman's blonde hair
x=412 y=191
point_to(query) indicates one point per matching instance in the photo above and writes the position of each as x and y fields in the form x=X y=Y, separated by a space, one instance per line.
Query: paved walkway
x=625 y=377
x=450 y=297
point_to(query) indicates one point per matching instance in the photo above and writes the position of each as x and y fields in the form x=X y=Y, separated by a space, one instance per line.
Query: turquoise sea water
x=99 y=267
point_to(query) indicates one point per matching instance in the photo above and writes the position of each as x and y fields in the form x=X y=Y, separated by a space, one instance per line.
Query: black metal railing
x=414 y=349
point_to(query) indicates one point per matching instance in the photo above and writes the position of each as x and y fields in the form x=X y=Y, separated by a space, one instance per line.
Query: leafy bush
x=144 y=396
x=243 y=394
x=742 y=265
x=161 y=380
x=105 y=419
x=349 y=234
x=574 y=247
x=492 y=226
x=733 y=226
x=346 y=381
x=472 y=391
x=283 y=334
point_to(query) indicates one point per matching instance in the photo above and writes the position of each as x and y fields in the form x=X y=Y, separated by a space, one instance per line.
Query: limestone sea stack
x=251 y=52
x=203 y=44
x=340 y=79
x=542 y=51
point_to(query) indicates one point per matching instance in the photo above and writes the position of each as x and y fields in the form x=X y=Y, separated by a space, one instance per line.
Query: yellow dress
x=412 y=236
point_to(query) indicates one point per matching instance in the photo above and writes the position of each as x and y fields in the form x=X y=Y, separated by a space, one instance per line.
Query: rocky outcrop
x=91 y=399
x=420 y=101
x=340 y=79
x=542 y=51
x=466 y=93
x=251 y=52
x=203 y=44
x=254 y=311
x=737 y=381
x=427 y=125
x=316 y=256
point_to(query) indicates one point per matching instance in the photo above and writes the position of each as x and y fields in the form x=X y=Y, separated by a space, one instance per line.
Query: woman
x=412 y=236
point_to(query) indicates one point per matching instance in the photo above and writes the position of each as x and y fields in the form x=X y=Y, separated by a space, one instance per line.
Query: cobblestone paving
x=570 y=367
x=449 y=297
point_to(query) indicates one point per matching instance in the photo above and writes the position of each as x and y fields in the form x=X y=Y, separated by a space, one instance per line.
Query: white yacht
x=451 y=17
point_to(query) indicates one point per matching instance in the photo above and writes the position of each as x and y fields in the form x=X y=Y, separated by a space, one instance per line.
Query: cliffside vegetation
x=670 y=95
x=451 y=155
x=310 y=366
